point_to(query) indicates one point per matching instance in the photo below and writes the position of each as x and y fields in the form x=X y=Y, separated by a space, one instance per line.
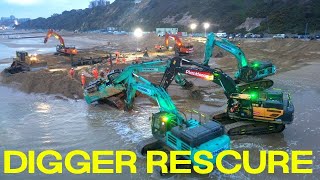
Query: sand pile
x=286 y=54
x=58 y=83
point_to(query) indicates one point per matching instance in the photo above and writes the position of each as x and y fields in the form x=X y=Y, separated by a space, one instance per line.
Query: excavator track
x=114 y=101
x=253 y=128
x=234 y=128
x=148 y=145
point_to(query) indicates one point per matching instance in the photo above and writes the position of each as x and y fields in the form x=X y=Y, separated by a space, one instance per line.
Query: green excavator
x=111 y=90
x=252 y=108
x=247 y=72
x=172 y=131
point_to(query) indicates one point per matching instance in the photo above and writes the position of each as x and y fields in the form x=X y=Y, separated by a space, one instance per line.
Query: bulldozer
x=24 y=62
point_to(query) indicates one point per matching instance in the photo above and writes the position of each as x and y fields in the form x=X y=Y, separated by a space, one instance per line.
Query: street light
x=138 y=34
x=193 y=26
x=206 y=26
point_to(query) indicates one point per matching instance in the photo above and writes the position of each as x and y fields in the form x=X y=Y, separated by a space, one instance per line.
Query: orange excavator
x=61 y=48
x=179 y=48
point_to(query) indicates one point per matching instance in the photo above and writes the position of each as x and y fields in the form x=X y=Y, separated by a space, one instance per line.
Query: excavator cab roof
x=274 y=95
x=113 y=74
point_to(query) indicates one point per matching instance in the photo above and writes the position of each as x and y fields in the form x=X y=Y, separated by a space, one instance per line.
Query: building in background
x=163 y=31
x=97 y=3
x=12 y=20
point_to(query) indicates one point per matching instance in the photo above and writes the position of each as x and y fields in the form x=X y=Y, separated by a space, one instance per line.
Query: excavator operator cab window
x=112 y=76
x=162 y=122
x=275 y=96
x=158 y=126
x=245 y=108
x=59 y=47
x=274 y=99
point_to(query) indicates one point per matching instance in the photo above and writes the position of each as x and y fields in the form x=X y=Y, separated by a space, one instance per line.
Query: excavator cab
x=21 y=55
x=114 y=74
x=163 y=122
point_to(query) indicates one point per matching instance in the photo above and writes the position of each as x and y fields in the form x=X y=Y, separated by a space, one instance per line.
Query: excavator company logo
x=110 y=162
x=144 y=89
x=150 y=69
x=226 y=47
x=204 y=75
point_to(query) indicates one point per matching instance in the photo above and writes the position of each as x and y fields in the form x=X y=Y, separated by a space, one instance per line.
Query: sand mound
x=286 y=54
x=47 y=82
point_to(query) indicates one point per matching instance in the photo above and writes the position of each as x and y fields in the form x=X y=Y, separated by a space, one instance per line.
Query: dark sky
x=39 y=8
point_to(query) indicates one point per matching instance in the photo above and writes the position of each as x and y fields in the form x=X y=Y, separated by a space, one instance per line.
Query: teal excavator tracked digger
x=111 y=90
x=247 y=72
x=252 y=108
x=170 y=130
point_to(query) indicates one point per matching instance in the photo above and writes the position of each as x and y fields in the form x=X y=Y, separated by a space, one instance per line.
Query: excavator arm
x=177 y=40
x=157 y=93
x=203 y=72
x=102 y=89
x=257 y=70
x=226 y=45
x=150 y=67
x=56 y=35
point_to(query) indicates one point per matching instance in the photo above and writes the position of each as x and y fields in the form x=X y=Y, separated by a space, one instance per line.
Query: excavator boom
x=257 y=70
x=203 y=72
x=56 y=35
x=103 y=89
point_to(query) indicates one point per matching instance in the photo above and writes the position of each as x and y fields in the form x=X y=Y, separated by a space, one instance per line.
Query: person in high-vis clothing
x=71 y=73
x=83 y=80
x=95 y=73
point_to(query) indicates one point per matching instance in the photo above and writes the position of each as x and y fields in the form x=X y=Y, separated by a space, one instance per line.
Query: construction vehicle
x=252 y=108
x=25 y=62
x=172 y=131
x=111 y=90
x=61 y=48
x=246 y=72
x=179 y=48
